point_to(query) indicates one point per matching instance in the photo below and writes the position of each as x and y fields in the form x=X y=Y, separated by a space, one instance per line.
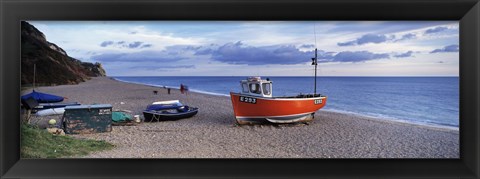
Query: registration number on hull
x=318 y=101
x=248 y=100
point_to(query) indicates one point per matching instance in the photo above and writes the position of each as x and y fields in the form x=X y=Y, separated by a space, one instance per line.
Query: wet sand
x=213 y=133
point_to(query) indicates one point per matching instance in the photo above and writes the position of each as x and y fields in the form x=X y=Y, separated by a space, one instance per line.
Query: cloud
x=146 y=46
x=238 y=53
x=143 y=56
x=123 y=44
x=106 y=43
x=450 y=48
x=203 y=51
x=407 y=37
x=349 y=43
x=403 y=55
x=365 y=39
x=371 y=38
x=155 y=67
x=358 y=56
x=307 y=46
x=134 y=44
x=435 y=30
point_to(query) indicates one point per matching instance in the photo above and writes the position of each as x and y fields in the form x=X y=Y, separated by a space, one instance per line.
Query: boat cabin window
x=255 y=88
x=266 y=88
x=245 y=87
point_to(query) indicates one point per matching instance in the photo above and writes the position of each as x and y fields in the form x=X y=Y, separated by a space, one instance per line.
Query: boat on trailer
x=255 y=103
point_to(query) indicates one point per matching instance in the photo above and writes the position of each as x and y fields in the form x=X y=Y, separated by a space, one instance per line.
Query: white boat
x=51 y=111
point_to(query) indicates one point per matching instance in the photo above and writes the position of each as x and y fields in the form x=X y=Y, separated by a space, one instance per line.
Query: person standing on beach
x=183 y=89
x=168 y=89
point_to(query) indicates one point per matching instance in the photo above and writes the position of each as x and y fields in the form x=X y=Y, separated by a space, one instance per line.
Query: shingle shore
x=212 y=133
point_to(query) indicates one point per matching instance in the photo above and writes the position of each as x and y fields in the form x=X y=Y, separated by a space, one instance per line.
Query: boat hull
x=55 y=105
x=153 y=116
x=50 y=111
x=253 y=109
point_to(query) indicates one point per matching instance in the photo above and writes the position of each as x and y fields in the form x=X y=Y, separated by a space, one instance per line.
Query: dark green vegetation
x=53 y=65
x=38 y=143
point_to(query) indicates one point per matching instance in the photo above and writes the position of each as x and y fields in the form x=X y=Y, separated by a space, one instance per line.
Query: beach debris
x=121 y=119
x=122 y=102
x=118 y=116
x=55 y=131
x=136 y=118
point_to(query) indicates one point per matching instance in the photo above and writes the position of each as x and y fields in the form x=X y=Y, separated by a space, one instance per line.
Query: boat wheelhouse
x=255 y=86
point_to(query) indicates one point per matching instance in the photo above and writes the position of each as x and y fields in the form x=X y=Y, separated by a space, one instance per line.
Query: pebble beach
x=213 y=132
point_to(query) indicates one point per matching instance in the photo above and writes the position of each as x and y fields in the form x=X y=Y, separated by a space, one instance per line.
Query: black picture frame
x=467 y=12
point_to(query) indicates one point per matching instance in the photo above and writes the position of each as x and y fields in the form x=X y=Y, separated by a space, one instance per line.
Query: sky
x=261 y=48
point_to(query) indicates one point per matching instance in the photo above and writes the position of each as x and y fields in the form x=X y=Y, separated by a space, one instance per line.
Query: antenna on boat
x=314 y=61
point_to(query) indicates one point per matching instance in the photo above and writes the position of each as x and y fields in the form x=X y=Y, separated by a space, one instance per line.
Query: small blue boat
x=168 y=112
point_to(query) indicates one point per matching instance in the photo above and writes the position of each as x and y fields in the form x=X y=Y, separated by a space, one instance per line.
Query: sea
x=432 y=101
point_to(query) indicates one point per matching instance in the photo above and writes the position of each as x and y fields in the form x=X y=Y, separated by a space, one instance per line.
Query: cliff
x=53 y=65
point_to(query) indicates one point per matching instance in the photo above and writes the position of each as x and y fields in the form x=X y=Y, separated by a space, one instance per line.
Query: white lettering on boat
x=248 y=99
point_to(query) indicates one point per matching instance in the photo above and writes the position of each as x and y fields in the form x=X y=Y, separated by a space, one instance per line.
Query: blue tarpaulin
x=43 y=97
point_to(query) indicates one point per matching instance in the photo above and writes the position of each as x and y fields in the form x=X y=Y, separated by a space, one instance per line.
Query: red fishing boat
x=255 y=103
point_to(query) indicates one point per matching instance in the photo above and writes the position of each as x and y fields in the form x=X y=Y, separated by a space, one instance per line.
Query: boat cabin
x=255 y=86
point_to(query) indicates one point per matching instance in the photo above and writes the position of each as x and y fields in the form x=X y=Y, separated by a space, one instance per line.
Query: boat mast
x=314 y=62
